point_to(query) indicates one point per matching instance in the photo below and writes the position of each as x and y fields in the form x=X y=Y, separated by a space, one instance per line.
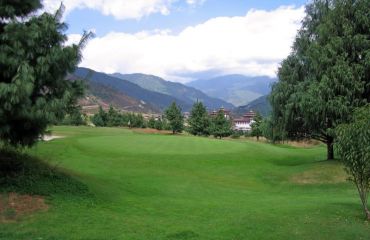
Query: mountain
x=100 y=95
x=236 y=89
x=109 y=96
x=180 y=91
x=261 y=105
x=127 y=88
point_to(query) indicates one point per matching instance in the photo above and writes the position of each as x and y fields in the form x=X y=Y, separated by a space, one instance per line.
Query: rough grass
x=152 y=186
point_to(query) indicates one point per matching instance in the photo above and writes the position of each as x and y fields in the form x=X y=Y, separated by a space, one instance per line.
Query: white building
x=244 y=123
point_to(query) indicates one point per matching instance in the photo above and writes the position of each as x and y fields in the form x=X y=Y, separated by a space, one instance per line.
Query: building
x=225 y=111
x=244 y=123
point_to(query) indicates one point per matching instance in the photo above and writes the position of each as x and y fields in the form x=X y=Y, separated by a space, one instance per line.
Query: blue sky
x=181 y=16
x=182 y=40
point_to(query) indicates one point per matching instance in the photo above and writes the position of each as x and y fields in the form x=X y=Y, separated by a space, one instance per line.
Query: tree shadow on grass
x=349 y=210
x=24 y=174
x=297 y=161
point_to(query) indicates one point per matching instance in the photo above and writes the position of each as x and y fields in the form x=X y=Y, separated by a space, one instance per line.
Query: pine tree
x=175 y=118
x=114 y=118
x=327 y=75
x=257 y=126
x=34 y=63
x=100 y=119
x=159 y=124
x=199 y=122
x=151 y=122
x=220 y=125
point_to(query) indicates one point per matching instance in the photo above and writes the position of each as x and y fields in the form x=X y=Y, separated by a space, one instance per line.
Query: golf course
x=116 y=183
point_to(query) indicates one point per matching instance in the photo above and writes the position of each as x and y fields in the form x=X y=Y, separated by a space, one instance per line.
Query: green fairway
x=151 y=186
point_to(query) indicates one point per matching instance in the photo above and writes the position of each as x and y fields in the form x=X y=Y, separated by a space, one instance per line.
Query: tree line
x=200 y=122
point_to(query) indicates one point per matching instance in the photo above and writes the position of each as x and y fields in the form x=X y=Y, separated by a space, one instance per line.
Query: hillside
x=177 y=90
x=101 y=95
x=236 y=89
x=261 y=105
x=127 y=88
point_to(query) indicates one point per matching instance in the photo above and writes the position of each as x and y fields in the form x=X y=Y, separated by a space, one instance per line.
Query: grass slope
x=180 y=187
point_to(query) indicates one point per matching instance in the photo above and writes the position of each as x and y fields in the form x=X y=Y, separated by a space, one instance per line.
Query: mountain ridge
x=130 y=89
x=180 y=91
x=261 y=105
x=237 y=89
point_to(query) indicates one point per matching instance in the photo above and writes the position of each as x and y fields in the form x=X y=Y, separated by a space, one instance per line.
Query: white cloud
x=73 y=39
x=195 y=2
x=253 y=44
x=120 y=9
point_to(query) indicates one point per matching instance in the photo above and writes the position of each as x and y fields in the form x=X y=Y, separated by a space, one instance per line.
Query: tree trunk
x=362 y=192
x=258 y=137
x=367 y=215
x=330 y=148
x=366 y=210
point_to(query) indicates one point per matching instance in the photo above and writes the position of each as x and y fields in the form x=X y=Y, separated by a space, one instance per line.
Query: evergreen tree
x=34 y=62
x=74 y=117
x=114 y=118
x=221 y=126
x=257 y=126
x=199 y=122
x=159 y=124
x=327 y=74
x=175 y=118
x=100 y=119
x=137 y=121
x=151 y=122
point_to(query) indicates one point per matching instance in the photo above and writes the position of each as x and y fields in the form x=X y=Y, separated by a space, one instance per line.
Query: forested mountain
x=180 y=91
x=127 y=88
x=261 y=105
x=236 y=89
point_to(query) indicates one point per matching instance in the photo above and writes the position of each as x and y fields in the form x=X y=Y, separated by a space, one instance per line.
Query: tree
x=34 y=62
x=151 y=122
x=159 y=124
x=271 y=131
x=257 y=126
x=175 y=118
x=327 y=75
x=353 y=142
x=100 y=118
x=114 y=118
x=74 y=117
x=221 y=127
x=199 y=122
x=136 y=120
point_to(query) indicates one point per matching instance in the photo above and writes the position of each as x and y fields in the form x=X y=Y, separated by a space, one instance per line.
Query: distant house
x=226 y=113
x=239 y=124
x=186 y=115
x=244 y=123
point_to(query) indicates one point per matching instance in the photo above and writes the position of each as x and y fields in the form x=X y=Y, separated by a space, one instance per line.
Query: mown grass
x=150 y=186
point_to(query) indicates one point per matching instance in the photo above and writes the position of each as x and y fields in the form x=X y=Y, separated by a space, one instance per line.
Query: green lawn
x=147 y=186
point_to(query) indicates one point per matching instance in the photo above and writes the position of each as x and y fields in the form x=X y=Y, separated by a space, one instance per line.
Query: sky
x=184 y=40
